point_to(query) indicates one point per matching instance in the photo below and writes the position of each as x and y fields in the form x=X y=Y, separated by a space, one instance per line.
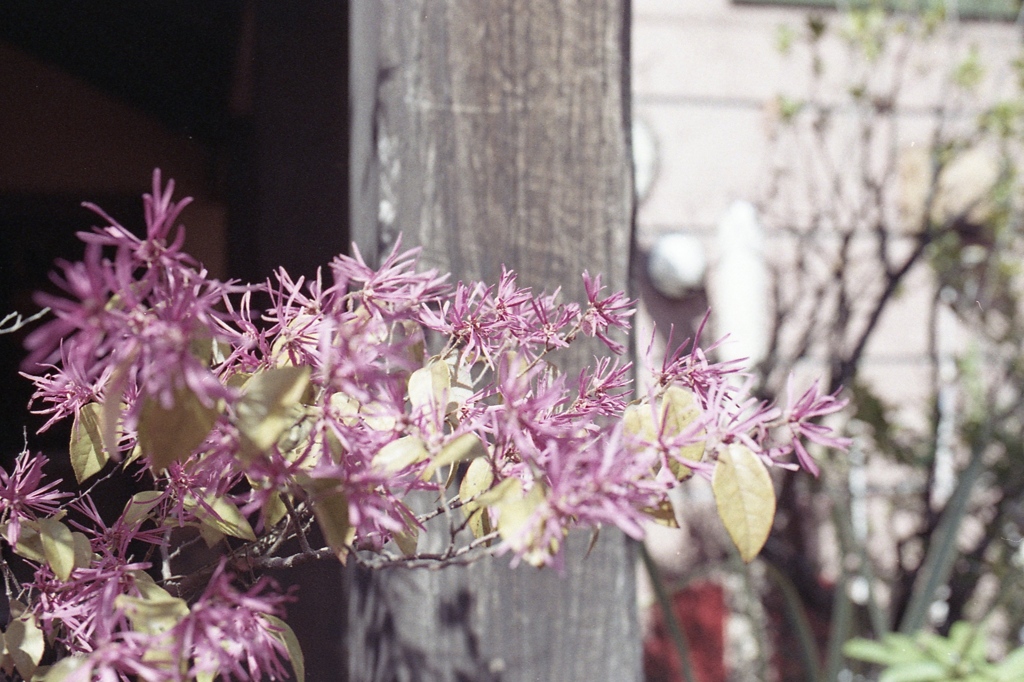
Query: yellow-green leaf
x=58 y=547
x=139 y=506
x=168 y=436
x=25 y=643
x=271 y=404
x=506 y=488
x=274 y=510
x=400 y=453
x=284 y=634
x=147 y=587
x=62 y=669
x=88 y=452
x=467 y=446
x=408 y=541
x=330 y=507
x=679 y=409
x=154 y=613
x=663 y=513
x=638 y=420
x=206 y=675
x=83 y=550
x=745 y=498
x=516 y=510
x=429 y=386
x=225 y=518
x=30 y=544
x=478 y=479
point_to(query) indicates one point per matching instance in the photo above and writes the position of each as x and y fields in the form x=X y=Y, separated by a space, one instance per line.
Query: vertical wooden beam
x=502 y=138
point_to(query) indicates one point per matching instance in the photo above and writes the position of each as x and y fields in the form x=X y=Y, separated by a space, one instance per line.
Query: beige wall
x=706 y=74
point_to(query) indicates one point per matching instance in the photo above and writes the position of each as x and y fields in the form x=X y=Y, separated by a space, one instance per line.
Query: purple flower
x=800 y=415
x=603 y=314
x=160 y=213
x=89 y=282
x=394 y=289
x=226 y=632
x=24 y=496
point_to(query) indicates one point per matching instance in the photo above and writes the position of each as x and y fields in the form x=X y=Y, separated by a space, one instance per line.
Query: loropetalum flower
x=348 y=392
x=227 y=632
x=24 y=495
x=801 y=414
x=603 y=314
x=136 y=322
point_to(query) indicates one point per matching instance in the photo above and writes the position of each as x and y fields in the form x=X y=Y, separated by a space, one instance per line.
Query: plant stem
x=675 y=631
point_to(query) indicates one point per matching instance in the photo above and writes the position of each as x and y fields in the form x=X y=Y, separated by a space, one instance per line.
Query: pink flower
x=90 y=283
x=24 y=496
x=227 y=634
x=603 y=314
x=801 y=414
x=394 y=288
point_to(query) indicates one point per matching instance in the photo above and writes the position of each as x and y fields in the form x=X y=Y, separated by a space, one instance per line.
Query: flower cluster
x=348 y=392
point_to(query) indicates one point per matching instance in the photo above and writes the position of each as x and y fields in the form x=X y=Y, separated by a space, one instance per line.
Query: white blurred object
x=676 y=264
x=645 y=158
x=739 y=295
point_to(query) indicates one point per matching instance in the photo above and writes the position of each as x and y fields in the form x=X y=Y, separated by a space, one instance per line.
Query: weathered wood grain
x=501 y=137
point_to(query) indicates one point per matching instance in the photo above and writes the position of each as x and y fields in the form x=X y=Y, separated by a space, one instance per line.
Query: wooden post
x=502 y=138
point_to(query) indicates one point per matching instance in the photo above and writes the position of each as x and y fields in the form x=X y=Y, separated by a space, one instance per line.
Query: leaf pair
x=677 y=413
x=48 y=541
x=22 y=644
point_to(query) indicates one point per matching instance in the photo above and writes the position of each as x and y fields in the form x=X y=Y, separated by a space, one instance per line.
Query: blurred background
x=840 y=183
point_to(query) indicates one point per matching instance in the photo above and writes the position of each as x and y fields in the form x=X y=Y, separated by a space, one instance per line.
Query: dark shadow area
x=36 y=231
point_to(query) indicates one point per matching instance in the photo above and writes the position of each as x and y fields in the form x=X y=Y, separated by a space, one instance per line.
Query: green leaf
x=969 y=640
x=30 y=544
x=400 y=453
x=271 y=404
x=478 y=479
x=153 y=613
x=25 y=643
x=915 y=671
x=1012 y=667
x=939 y=648
x=677 y=410
x=58 y=547
x=745 y=498
x=140 y=505
x=515 y=513
x=869 y=651
x=88 y=452
x=62 y=669
x=286 y=636
x=904 y=648
x=83 y=550
x=330 y=507
x=465 y=447
x=225 y=518
x=428 y=387
x=168 y=436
